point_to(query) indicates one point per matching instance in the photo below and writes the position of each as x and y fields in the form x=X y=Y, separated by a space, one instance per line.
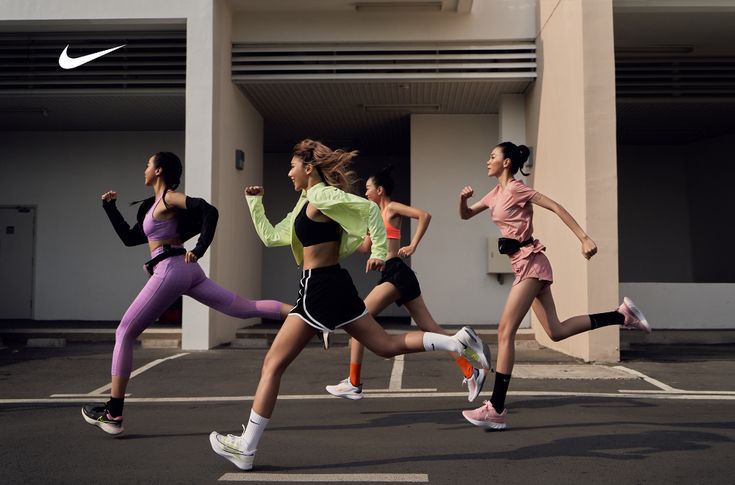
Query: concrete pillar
x=196 y=320
x=512 y=115
x=571 y=125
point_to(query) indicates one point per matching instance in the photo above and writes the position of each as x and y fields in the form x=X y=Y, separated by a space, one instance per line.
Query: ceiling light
x=655 y=49
x=434 y=6
x=411 y=108
x=39 y=111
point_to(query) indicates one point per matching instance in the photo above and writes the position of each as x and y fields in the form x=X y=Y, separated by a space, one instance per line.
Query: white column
x=196 y=321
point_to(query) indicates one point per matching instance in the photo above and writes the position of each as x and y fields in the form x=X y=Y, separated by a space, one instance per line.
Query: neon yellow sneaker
x=472 y=348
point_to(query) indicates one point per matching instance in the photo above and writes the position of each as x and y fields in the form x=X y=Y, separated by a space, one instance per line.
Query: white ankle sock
x=254 y=430
x=436 y=341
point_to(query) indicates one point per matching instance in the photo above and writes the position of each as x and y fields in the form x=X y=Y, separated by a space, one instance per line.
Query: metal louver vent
x=156 y=61
x=260 y=63
x=677 y=78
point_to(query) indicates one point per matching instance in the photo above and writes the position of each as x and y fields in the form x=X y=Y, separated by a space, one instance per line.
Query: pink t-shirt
x=512 y=212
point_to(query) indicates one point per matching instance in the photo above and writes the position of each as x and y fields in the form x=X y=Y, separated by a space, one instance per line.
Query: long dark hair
x=382 y=178
x=171 y=168
x=518 y=155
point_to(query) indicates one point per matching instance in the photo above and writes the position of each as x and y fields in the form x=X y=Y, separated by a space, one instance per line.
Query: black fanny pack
x=510 y=246
x=168 y=252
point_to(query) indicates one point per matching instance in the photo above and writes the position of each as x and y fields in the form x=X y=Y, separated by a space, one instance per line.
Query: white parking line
x=396 y=375
x=326 y=477
x=650 y=380
x=101 y=390
x=694 y=395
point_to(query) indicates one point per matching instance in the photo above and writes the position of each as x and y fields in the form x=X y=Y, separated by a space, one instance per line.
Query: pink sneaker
x=634 y=318
x=486 y=416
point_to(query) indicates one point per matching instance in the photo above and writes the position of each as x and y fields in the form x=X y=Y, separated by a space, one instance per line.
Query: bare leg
x=420 y=313
x=519 y=302
x=285 y=308
x=368 y=332
x=288 y=344
x=545 y=310
x=378 y=300
x=119 y=384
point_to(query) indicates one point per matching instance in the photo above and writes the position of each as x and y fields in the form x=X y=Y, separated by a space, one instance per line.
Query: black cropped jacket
x=199 y=218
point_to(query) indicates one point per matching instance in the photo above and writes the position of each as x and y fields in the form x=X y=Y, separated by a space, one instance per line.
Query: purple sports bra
x=156 y=230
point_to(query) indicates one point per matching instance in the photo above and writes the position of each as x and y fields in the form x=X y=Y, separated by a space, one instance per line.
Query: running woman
x=398 y=284
x=326 y=224
x=165 y=221
x=510 y=204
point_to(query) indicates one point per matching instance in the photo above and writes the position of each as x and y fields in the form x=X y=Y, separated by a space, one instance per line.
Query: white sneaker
x=472 y=348
x=233 y=448
x=346 y=390
x=475 y=383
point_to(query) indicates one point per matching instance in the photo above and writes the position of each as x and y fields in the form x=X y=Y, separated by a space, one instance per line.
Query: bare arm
x=367 y=243
x=422 y=216
x=466 y=212
x=589 y=248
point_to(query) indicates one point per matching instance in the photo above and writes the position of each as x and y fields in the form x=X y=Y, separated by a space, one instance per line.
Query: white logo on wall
x=67 y=62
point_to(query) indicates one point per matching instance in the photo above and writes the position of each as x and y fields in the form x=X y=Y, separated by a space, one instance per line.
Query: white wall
x=447 y=153
x=82 y=269
x=488 y=20
x=684 y=305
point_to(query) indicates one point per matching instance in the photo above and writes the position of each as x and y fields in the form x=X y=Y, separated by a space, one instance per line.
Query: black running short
x=398 y=274
x=328 y=299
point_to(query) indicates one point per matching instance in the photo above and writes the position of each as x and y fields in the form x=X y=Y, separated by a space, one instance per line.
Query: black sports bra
x=312 y=232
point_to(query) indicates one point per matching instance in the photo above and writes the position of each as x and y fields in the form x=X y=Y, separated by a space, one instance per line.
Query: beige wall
x=488 y=20
x=236 y=252
x=571 y=125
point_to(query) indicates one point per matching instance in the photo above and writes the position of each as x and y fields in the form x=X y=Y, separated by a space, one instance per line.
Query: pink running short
x=536 y=265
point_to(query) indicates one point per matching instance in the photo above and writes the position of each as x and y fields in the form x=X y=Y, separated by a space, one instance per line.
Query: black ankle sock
x=499 y=391
x=604 y=319
x=115 y=406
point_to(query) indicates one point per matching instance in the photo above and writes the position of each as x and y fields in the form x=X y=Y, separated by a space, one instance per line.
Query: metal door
x=17 y=233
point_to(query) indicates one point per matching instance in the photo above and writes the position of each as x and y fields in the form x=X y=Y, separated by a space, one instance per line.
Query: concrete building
x=627 y=105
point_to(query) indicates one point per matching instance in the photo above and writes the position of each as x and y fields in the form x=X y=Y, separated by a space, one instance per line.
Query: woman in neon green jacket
x=326 y=224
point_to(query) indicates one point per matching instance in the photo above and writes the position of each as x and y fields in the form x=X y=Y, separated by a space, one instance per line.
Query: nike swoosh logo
x=67 y=62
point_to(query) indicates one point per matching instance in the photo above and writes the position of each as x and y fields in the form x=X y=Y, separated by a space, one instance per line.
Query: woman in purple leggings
x=165 y=221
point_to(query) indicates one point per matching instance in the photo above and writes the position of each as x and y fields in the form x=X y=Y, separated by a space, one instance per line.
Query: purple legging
x=172 y=278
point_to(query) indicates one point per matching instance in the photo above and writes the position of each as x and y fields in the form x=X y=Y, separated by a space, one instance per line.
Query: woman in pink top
x=511 y=209
x=398 y=284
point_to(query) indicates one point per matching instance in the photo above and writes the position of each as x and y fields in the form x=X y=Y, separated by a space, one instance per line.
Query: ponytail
x=171 y=168
x=518 y=155
x=383 y=179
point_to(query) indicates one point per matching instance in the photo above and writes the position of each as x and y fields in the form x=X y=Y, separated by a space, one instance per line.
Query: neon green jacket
x=357 y=216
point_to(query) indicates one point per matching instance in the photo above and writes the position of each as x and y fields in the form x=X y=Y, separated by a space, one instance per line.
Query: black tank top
x=312 y=232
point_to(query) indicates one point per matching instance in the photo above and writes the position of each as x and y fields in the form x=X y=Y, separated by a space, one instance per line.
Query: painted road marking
x=650 y=380
x=694 y=395
x=326 y=477
x=396 y=375
x=100 y=390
